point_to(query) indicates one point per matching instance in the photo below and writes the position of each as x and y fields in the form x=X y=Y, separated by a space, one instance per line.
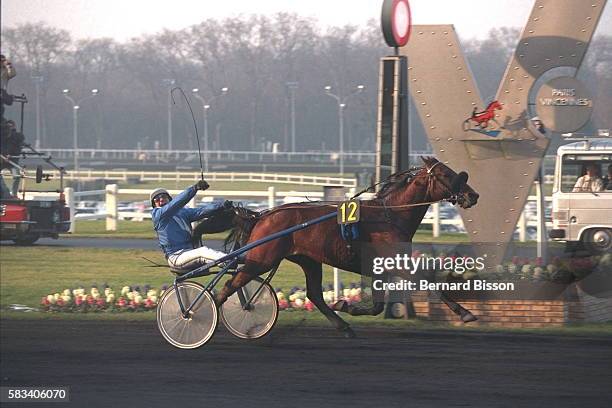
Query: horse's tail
x=244 y=220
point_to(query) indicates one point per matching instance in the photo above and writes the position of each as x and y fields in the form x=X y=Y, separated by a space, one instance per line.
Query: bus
x=582 y=195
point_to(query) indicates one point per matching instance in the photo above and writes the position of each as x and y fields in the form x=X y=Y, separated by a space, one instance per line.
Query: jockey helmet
x=157 y=192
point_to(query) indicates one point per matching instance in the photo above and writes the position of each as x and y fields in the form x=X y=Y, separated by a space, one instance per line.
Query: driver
x=172 y=222
x=590 y=182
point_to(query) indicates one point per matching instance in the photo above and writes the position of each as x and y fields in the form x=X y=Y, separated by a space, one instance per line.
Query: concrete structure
x=504 y=158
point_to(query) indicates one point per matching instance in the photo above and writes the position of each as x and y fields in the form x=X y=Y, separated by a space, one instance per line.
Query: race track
x=128 y=364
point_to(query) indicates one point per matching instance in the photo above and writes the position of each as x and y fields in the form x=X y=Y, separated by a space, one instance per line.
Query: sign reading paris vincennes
x=564 y=105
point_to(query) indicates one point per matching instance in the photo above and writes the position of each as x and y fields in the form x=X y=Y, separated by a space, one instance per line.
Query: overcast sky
x=123 y=19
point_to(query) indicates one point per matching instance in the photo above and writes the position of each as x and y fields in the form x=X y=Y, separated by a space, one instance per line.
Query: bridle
x=453 y=198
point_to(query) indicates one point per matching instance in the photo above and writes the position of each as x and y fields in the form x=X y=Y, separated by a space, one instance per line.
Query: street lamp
x=37 y=81
x=341 y=106
x=169 y=83
x=292 y=86
x=206 y=107
x=75 y=122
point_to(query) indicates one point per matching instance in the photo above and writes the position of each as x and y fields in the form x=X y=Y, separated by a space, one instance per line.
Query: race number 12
x=349 y=212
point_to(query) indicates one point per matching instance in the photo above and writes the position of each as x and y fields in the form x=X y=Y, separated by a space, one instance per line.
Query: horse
x=393 y=215
x=481 y=119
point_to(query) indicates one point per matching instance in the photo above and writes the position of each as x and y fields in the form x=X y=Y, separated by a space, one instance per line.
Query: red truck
x=25 y=221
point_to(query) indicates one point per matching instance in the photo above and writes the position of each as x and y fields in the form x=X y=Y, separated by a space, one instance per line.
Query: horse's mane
x=397 y=180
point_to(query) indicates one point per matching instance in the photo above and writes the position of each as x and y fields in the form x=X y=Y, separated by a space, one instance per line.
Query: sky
x=124 y=19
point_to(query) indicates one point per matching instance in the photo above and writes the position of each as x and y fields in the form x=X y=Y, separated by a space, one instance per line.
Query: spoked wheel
x=250 y=320
x=198 y=327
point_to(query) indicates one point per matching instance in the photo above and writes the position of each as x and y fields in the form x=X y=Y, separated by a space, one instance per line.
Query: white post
x=111 y=207
x=435 y=227
x=542 y=245
x=271 y=196
x=69 y=195
x=336 y=285
x=522 y=227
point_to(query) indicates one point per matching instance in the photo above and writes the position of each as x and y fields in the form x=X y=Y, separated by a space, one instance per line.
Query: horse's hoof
x=349 y=333
x=340 y=306
x=468 y=317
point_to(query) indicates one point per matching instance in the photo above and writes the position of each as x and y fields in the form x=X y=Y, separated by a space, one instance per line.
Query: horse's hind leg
x=244 y=276
x=314 y=275
x=466 y=315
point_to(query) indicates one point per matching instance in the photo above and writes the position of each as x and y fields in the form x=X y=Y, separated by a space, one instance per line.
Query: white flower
x=66 y=298
x=110 y=298
x=51 y=299
x=526 y=268
x=125 y=290
x=137 y=299
x=66 y=292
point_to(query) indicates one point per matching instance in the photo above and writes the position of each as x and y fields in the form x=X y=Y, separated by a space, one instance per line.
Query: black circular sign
x=396 y=22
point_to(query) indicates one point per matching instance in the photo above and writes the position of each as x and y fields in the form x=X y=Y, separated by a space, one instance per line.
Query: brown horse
x=323 y=244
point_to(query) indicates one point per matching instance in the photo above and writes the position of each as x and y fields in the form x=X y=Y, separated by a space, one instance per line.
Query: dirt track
x=128 y=364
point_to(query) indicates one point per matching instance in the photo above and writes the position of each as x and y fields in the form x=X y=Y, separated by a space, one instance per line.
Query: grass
x=28 y=274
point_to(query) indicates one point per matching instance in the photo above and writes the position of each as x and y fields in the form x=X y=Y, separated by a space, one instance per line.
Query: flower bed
x=296 y=298
x=129 y=299
x=142 y=299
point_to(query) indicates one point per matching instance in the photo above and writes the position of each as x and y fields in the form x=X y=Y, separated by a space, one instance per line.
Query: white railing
x=111 y=213
x=193 y=176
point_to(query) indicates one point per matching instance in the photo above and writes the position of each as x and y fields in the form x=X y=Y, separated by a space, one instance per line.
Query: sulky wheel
x=254 y=320
x=195 y=330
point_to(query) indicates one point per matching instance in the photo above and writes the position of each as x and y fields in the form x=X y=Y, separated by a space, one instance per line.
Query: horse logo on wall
x=480 y=121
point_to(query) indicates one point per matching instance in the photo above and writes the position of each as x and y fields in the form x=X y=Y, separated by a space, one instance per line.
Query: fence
x=112 y=214
x=192 y=176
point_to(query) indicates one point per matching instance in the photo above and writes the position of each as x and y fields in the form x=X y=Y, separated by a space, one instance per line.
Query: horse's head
x=495 y=105
x=444 y=184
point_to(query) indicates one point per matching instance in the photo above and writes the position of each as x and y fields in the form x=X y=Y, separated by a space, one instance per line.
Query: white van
x=582 y=211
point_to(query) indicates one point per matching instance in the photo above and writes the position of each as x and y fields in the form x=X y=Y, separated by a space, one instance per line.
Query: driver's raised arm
x=177 y=203
x=196 y=214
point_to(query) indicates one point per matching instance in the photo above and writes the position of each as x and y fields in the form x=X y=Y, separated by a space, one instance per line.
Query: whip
x=197 y=135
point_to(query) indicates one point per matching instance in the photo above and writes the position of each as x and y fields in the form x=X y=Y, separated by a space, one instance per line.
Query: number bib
x=349 y=212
